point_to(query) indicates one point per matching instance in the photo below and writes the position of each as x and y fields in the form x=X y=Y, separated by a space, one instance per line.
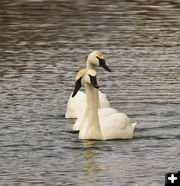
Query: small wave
x=158 y=127
x=151 y=137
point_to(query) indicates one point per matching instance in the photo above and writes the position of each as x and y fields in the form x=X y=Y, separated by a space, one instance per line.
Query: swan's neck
x=91 y=130
x=90 y=66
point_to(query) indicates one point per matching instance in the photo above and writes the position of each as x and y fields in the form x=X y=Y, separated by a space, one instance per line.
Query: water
x=42 y=45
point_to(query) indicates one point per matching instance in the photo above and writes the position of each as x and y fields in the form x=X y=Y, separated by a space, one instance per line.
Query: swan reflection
x=91 y=167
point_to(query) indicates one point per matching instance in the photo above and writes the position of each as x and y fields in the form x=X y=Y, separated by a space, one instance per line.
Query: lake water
x=43 y=43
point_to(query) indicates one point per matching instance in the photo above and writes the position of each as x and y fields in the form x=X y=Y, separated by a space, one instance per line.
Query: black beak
x=77 y=86
x=93 y=81
x=102 y=63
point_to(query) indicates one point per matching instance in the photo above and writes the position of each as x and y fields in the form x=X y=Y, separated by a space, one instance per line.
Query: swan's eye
x=98 y=57
x=101 y=60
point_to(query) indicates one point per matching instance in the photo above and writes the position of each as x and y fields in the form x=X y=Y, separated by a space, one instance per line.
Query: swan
x=76 y=105
x=104 y=123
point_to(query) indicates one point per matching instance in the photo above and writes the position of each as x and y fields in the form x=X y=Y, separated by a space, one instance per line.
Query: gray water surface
x=43 y=44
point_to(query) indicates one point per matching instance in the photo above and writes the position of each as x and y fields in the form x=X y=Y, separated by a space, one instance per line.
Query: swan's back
x=116 y=126
x=105 y=112
x=76 y=105
x=104 y=103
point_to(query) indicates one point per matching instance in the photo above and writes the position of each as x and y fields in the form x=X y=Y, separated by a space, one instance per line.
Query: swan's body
x=77 y=105
x=98 y=124
x=95 y=123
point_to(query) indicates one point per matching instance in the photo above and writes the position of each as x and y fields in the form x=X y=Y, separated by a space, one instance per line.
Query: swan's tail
x=134 y=125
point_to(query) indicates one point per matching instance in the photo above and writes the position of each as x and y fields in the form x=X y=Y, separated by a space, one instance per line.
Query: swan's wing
x=77 y=86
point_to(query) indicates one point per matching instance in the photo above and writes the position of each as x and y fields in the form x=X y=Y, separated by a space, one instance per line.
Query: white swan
x=76 y=105
x=100 y=124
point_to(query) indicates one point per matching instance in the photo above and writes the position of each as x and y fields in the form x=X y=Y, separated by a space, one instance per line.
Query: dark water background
x=43 y=43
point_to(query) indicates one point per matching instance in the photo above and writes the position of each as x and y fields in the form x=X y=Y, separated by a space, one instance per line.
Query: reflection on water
x=43 y=44
x=91 y=168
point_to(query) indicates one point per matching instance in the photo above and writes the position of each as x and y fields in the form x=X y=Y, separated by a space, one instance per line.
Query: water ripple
x=43 y=45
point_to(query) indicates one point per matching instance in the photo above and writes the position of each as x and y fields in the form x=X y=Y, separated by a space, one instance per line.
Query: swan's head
x=96 y=59
x=79 y=81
